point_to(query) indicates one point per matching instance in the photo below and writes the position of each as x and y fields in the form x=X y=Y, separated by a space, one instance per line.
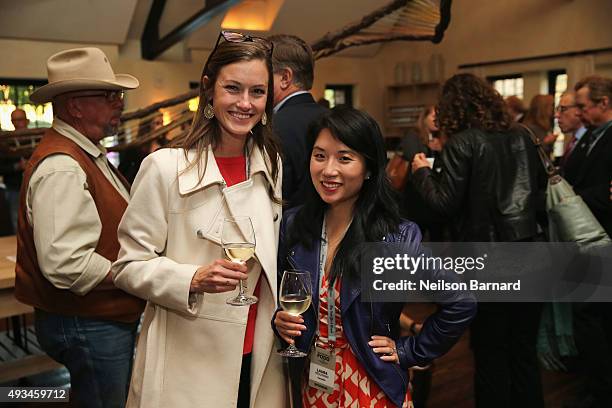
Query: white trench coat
x=189 y=352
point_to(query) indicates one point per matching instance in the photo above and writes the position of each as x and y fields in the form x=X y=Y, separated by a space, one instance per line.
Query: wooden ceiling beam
x=152 y=46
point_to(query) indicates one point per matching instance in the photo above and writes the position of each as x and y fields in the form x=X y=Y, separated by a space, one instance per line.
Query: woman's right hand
x=220 y=276
x=288 y=325
x=419 y=161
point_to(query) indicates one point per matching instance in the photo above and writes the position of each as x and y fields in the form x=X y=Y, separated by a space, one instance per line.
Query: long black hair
x=375 y=213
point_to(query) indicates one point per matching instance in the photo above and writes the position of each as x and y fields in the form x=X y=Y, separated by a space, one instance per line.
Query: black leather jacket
x=487 y=185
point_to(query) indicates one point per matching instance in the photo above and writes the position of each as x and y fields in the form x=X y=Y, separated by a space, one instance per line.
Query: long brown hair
x=540 y=111
x=205 y=133
x=422 y=126
x=469 y=102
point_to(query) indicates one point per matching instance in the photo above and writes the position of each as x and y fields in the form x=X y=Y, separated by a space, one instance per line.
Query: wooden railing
x=176 y=114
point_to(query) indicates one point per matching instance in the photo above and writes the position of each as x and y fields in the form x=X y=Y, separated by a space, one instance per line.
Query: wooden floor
x=452 y=382
x=452 y=377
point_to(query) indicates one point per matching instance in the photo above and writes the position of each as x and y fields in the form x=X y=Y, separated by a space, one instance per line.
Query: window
x=557 y=84
x=16 y=94
x=508 y=85
x=339 y=95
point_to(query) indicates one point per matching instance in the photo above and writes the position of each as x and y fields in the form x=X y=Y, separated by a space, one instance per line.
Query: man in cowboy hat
x=72 y=200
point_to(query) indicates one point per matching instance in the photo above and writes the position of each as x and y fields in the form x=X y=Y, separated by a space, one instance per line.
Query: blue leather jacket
x=361 y=320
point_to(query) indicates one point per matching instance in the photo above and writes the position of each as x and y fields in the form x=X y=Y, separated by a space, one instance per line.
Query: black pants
x=593 y=335
x=245 y=382
x=503 y=339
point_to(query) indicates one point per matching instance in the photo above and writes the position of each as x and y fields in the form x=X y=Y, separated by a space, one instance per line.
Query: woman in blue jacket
x=351 y=203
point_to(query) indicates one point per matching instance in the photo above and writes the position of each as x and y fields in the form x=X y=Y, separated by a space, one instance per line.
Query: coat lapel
x=596 y=156
x=199 y=176
x=238 y=200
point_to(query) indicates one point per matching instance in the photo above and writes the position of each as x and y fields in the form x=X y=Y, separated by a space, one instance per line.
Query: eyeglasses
x=564 y=108
x=236 y=37
x=111 y=96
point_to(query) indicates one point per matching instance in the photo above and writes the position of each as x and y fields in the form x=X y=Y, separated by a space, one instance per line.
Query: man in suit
x=294 y=110
x=589 y=170
x=569 y=118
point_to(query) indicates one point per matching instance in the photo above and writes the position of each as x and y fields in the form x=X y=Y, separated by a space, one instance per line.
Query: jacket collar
x=291 y=97
x=191 y=180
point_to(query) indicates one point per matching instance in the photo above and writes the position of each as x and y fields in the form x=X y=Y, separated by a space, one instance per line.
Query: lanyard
x=331 y=292
x=331 y=298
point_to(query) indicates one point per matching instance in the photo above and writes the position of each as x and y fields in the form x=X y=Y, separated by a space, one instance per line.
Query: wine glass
x=238 y=241
x=295 y=297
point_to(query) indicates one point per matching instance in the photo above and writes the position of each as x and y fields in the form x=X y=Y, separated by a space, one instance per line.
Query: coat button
x=276 y=217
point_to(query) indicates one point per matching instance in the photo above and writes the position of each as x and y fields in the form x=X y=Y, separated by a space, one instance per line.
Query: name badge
x=322 y=369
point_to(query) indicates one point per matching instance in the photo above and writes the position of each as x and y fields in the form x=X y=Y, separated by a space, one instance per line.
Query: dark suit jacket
x=590 y=176
x=291 y=125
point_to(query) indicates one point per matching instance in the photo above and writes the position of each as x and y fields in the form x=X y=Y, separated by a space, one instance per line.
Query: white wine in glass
x=238 y=241
x=240 y=252
x=295 y=297
x=295 y=304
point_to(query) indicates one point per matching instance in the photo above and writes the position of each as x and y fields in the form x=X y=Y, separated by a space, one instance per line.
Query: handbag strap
x=549 y=167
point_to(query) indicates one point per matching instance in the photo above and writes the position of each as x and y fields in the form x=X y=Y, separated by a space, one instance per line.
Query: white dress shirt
x=64 y=217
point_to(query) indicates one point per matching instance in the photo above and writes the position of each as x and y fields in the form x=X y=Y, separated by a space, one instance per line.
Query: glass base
x=242 y=300
x=291 y=351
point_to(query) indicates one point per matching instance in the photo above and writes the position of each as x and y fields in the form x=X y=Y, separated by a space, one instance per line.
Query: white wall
x=479 y=31
x=158 y=79
x=482 y=31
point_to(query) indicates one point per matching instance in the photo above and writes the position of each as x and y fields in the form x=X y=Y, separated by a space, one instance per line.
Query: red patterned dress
x=353 y=388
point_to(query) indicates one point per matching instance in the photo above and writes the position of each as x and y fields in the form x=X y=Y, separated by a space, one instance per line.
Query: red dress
x=353 y=387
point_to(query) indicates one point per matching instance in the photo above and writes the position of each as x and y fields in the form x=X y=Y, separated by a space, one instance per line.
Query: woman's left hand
x=385 y=347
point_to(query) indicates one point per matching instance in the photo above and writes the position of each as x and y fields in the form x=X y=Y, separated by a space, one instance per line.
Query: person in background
x=516 y=108
x=412 y=206
x=589 y=170
x=11 y=169
x=539 y=118
x=323 y=102
x=194 y=349
x=131 y=158
x=486 y=149
x=349 y=204
x=294 y=110
x=570 y=123
x=72 y=200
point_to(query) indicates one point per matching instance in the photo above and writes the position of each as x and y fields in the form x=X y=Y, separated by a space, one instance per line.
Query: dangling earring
x=368 y=175
x=264 y=119
x=209 y=112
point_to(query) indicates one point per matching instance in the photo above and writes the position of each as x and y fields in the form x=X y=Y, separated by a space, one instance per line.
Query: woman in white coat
x=194 y=349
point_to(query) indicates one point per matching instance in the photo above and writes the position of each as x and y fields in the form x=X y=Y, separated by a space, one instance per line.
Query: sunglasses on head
x=236 y=37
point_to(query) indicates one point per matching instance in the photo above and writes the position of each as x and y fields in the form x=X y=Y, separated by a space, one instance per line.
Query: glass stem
x=242 y=288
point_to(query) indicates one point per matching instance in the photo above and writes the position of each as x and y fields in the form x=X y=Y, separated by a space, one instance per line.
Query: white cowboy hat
x=80 y=69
